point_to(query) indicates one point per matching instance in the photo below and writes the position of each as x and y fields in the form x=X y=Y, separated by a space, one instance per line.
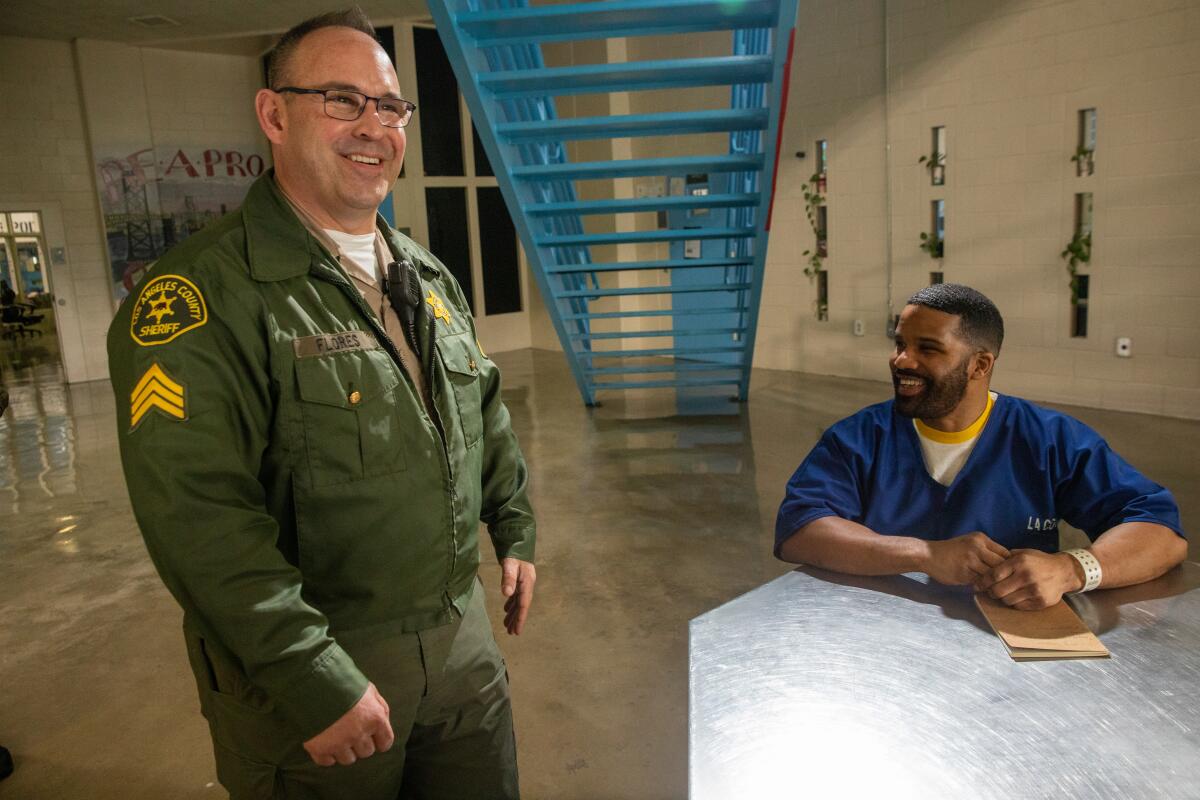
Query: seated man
x=968 y=486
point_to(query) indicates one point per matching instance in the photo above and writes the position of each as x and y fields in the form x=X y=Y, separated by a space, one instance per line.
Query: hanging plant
x=935 y=163
x=813 y=199
x=1084 y=160
x=1078 y=251
x=933 y=244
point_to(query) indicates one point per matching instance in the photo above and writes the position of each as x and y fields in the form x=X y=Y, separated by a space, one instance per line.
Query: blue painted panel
x=683 y=280
x=388 y=210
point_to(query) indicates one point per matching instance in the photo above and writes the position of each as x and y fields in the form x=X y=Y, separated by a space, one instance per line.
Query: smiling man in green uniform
x=311 y=436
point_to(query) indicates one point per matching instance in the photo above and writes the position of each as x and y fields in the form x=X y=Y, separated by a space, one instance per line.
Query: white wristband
x=1091 y=569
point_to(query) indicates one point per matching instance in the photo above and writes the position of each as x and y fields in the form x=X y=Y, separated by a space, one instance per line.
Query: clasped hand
x=1024 y=579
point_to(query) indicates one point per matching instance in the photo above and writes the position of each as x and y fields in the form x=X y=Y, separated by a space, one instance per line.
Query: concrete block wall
x=63 y=98
x=1007 y=79
x=217 y=109
x=44 y=166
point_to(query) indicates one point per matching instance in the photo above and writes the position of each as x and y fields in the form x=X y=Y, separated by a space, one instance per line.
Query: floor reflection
x=37 y=437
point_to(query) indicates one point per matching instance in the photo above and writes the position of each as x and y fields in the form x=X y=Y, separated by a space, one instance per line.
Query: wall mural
x=154 y=198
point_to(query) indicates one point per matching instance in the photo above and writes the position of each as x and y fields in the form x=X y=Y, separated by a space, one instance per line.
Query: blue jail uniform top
x=1030 y=468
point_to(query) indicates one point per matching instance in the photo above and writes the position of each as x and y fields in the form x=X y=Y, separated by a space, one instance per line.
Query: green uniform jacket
x=287 y=480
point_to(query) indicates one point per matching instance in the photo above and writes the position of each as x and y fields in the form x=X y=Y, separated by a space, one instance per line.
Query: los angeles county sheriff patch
x=168 y=307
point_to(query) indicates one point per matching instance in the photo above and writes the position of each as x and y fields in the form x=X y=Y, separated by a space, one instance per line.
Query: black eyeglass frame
x=412 y=107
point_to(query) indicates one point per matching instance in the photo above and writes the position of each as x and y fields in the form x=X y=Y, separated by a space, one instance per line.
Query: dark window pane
x=482 y=165
x=437 y=101
x=387 y=40
x=498 y=240
x=448 y=236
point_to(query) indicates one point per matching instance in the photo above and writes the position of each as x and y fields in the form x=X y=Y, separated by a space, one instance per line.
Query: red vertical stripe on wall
x=787 y=79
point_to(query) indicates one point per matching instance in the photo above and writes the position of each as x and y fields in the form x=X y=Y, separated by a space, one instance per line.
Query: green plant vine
x=813 y=199
x=932 y=161
x=1078 y=251
x=1083 y=154
x=933 y=244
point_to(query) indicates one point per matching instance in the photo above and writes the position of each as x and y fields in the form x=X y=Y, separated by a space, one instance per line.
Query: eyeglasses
x=347 y=105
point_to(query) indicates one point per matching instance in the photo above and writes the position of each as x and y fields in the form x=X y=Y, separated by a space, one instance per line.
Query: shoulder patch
x=157 y=390
x=168 y=307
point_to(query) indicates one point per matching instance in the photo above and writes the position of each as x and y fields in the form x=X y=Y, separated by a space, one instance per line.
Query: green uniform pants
x=448 y=692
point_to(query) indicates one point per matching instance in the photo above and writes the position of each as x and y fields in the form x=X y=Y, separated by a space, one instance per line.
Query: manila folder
x=1052 y=633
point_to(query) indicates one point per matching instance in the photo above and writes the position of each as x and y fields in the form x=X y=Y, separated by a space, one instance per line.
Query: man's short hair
x=979 y=321
x=279 y=59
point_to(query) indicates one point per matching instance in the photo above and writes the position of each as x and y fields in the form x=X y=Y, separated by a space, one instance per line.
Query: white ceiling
x=221 y=25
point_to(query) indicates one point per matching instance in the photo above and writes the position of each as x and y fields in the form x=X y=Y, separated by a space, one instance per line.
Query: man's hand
x=516 y=583
x=963 y=559
x=359 y=733
x=1030 y=579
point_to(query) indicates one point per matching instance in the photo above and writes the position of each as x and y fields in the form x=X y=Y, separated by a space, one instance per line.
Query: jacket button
x=471 y=364
x=354 y=398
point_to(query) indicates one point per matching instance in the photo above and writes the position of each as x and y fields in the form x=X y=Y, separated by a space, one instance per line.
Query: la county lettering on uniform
x=165 y=308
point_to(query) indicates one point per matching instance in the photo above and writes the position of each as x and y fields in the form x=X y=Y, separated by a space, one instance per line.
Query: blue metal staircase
x=717 y=212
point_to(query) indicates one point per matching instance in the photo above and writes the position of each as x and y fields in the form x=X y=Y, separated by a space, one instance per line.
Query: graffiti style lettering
x=180 y=161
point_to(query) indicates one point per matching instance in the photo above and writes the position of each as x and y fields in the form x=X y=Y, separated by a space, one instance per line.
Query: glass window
x=1085 y=150
x=26 y=222
x=939 y=219
x=6 y=267
x=823 y=296
x=822 y=231
x=1083 y=213
x=482 y=165
x=437 y=99
x=498 y=245
x=449 y=237
x=1087 y=128
x=937 y=168
x=30 y=266
x=1079 y=315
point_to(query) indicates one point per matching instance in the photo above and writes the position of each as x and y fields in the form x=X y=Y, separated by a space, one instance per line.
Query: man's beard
x=939 y=398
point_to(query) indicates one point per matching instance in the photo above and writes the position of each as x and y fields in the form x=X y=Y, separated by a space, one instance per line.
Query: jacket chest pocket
x=350 y=422
x=462 y=371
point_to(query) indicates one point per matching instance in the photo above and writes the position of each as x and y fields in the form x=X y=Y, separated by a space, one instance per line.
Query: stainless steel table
x=830 y=686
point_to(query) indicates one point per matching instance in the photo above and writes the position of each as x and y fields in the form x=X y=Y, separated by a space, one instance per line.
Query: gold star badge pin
x=439 y=308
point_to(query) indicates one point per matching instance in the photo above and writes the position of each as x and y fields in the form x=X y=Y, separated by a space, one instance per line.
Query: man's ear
x=272 y=116
x=981 y=365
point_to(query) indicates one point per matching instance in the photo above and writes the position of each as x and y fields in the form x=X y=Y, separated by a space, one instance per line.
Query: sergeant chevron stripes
x=156 y=390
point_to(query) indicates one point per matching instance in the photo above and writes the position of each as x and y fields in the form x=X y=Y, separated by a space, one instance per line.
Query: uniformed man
x=967 y=485
x=311 y=435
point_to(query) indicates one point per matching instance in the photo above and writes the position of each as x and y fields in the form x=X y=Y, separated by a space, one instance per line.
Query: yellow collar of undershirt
x=957 y=437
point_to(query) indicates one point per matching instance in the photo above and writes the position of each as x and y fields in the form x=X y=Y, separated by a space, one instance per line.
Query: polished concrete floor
x=652 y=511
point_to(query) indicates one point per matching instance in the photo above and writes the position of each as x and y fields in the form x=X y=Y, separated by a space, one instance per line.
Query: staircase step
x=621 y=266
x=659 y=333
x=628 y=76
x=677 y=382
x=640 y=290
x=664 y=124
x=656 y=312
x=642 y=237
x=661 y=351
x=691 y=366
x=630 y=168
x=615 y=18
x=639 y=204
